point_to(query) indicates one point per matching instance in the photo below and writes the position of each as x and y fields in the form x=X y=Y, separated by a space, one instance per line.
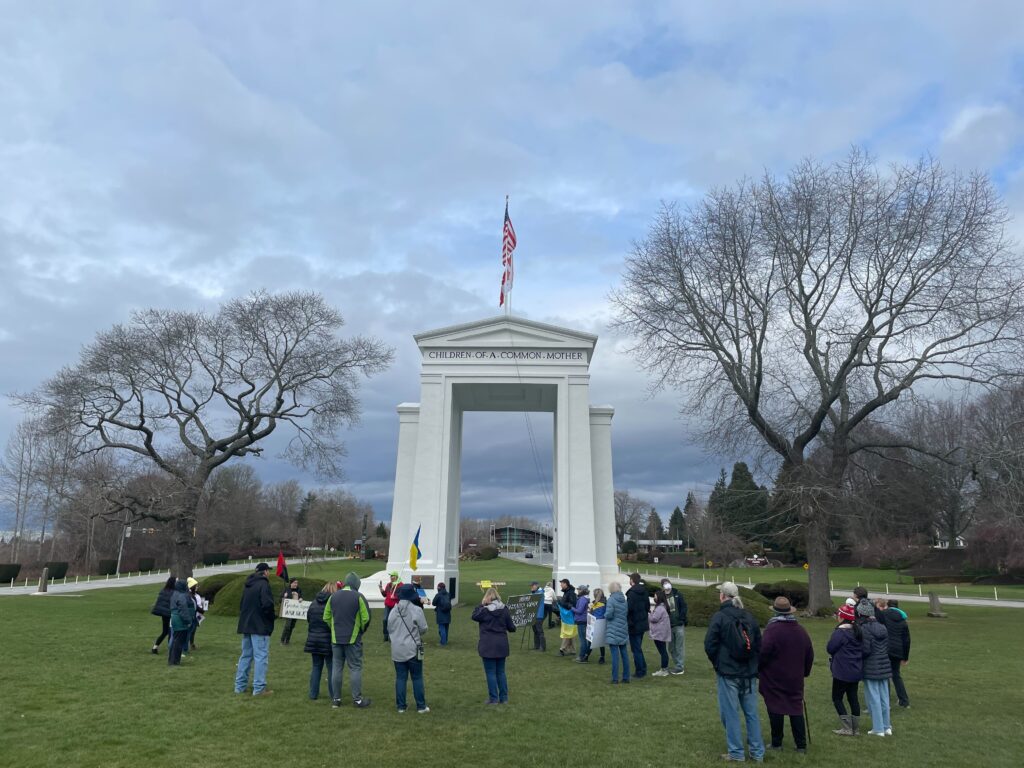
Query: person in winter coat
x=579 y=618
x=255 y=625
x=495 y=624
x=846 y=661
x=616 y=632
x=318 y=641
x=540 y=643
x=442 y=603
x=389 y=592
x=661 y=630
x=162 y=608
x=183 y=613
x=786 y=658
x=734 y=655
x=898 y=631
x=291 y=592
x=549 y=604
x=678 y=614
x=193 y=593
x=348 y=615
x=877 y=669
x=567 y=633
x=639 y=605
x=597 y=609
x=406 y=626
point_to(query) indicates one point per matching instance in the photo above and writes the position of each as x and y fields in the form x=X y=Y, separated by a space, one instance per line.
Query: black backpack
x=738 y=637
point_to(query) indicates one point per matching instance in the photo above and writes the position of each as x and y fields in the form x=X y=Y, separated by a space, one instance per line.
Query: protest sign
x=523 y=608
x=294 y=609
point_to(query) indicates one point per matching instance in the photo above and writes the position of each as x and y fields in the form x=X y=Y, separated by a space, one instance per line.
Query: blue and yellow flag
x=414 y=550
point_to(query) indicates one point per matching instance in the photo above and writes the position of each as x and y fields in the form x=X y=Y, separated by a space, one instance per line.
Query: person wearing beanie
x=732 y=645
x=406 y=626
x=442 y=603
x=200 y=612
x=877 y=669
x=318 y=641
x=348 y=615
x=255 y=625
x=183 y=616
x=291 y=592
x=638 y=608
x=846 y=662
x=899 y=645
x=540 y=642
x=786 y=658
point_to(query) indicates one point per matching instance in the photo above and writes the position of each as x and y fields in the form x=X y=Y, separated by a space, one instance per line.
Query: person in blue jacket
x=540 y=642
x=616 y=631
x=183 y=614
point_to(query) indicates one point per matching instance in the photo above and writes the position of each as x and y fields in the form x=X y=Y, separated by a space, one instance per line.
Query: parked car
x=529 y=555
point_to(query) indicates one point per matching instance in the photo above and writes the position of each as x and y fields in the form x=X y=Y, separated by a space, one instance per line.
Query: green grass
x=78 y=687
x=875 y=579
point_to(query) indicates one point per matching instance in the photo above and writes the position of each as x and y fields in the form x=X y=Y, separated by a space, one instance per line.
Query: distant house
x=510 y=536
x=667 y=545
x=942 y=542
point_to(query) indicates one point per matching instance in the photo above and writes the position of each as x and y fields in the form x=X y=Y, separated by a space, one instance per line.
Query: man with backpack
x=733 y=644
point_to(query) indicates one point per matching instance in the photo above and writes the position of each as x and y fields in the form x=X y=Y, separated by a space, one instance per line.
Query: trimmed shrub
x=211 y=585
x=794 y=591
x=629 y=548
x=106 y=567
x=702 y=602
x=486 y=553
x=9 y=572
x=215 y=558
x=229 y=596
x=57 y=569
x=147 y=564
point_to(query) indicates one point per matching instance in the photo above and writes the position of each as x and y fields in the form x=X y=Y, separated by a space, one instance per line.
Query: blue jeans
x=321 y=661
x=619 y=652
x=442 y=631
x=581 y=633
x=877 y=694
x=256 y=654
x=636 y=644
x=351 y=655
x=737 y=694
x=403 y=670
x=497 y=685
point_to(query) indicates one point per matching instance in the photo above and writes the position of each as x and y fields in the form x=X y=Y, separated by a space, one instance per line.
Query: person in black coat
x=255 y=625
x=318 y=641
x=638 y=606
x=495 y=623
x=898 y=631
x=291 y=592
x=162 y=608
x=442 y=603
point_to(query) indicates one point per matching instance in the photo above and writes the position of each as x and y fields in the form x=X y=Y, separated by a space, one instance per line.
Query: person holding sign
x=540 y=642
x=390 y=594
x=406 y=626
x=495 y=624
x=291 y=592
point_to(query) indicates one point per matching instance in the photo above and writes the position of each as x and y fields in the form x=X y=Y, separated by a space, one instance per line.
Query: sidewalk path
x=156 y=577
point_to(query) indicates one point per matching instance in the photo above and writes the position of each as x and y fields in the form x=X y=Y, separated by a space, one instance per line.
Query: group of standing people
x=180 y=609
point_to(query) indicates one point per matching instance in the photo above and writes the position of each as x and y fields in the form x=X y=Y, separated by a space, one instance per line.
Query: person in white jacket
x=406 y=627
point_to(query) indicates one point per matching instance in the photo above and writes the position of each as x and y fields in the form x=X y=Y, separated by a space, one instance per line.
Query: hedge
x=106 y=567
x=57 y=569
x=215 y=558
x=147 y=564
x=794 y=591
x=229 y=596
x=212 y=585
x=702 y=603
x=9 y=572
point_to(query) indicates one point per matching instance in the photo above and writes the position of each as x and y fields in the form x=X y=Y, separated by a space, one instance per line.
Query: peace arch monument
x=505 y=363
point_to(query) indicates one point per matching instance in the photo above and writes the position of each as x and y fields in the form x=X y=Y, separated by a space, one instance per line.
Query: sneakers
x=676 y=672
x=264 y=692
x=155 y=650
x=601 y=660
x=660 y=673
x=402 y=711
x=876 y=733
x=888 y=731
x=335 y=703
x=362 y=703
x=422 y=711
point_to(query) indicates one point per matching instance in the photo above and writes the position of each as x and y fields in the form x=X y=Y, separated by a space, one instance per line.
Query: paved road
x=99 y=582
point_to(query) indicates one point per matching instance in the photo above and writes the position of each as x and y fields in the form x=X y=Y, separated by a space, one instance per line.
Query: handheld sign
x=523 y=608
x=294 y=609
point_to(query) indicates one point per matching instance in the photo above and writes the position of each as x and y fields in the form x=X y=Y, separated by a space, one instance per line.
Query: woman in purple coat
x=786 y=659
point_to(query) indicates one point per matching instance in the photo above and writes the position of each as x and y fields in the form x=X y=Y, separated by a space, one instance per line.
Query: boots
x=854 y=720
x=846 y=726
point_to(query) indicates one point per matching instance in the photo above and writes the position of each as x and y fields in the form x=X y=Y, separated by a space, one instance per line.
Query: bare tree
x=790 y=311
x=211 y=388
x=18 y=477
x=631 y=515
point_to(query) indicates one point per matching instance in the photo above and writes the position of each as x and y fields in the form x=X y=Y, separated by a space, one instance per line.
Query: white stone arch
x=504 y=364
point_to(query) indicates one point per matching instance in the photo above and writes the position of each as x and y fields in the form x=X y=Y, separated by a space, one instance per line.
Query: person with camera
x=495 y=623
x=406 y=625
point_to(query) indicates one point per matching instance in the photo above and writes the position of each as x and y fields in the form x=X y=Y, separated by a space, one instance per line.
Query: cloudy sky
x=178 y=154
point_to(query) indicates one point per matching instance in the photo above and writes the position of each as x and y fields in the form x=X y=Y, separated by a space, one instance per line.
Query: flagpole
x=508 y=296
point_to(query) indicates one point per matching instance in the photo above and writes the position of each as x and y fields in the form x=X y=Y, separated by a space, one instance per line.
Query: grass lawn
x=80 y=688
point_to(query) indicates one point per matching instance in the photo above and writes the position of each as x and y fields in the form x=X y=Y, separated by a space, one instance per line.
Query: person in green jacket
x=348 y=615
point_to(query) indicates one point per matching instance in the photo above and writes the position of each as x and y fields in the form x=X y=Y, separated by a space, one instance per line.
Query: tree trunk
x=816 y=539
x=185 y=534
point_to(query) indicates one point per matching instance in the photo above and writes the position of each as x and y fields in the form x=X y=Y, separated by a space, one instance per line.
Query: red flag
x=508 y=244
x=282 y=566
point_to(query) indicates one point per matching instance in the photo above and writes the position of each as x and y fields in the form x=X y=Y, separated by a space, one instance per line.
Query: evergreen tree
x=677 y=524
x=655 y=529
x=382 y=531
x=745 y=505
x=302 y=518
x=716 y=501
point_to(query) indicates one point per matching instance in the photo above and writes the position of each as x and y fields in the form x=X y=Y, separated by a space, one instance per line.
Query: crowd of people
x=870 y=643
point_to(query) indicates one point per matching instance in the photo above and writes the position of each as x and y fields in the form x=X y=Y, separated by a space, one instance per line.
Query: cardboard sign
x=524 y=608
x=294 y=609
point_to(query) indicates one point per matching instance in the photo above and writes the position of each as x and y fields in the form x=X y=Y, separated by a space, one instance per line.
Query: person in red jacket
x=390 y=593
x=786 y=658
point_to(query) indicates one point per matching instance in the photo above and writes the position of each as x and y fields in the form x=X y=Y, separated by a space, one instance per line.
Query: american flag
x=508 y=244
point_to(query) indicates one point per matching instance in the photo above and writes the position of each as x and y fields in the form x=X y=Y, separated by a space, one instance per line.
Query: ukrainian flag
x=414 y=550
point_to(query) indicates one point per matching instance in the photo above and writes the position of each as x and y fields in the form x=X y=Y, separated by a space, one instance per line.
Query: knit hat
x=191 y=583
x=783 y=606
x=262 y=567
x=846 y=613
x=851 y=602
x=352 y=581
x=729 y=589
x=407 y=592
x=866 y=610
